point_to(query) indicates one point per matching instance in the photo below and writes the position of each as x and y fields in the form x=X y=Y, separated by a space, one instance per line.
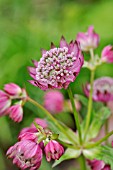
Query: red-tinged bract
x=107 y=54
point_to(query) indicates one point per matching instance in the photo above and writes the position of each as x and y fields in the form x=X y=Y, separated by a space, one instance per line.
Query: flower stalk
x=75 y=113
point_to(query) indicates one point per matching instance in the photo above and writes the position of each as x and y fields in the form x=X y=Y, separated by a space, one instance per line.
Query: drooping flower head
x=11 y=101
x=53 y=101
x=26 y=154
x=5 y=102
x=102 y=89
x=98 y=165
x=53 y=150
x=107 y=54
x=58 y=67
x=88 y=40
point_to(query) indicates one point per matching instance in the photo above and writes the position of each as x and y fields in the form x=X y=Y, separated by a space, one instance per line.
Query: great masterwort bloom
x=102 y=89
x=98 y=165
x=58 y=66
x=88 y=40
x=53 y=101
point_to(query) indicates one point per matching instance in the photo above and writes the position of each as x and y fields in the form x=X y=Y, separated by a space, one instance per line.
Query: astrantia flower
x=12 y=89
x=53 y=101
x=53 y=150
x=107 y=54
x=16 y=112
x=5 y=102
x=26 y=154
x=98 y=165
x=102 y=89
x=58 y=67
x=88 y=40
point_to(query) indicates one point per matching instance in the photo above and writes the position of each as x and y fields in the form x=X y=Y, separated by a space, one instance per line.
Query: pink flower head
x=40 y=122
x=26 y=154
x=58 y=67
x=5 y=102
x=107 y=54
x=88 y=40
x=53 y=150
x=12 y=89
x=53 y=101
x=16 y=112
x=98 y=165
x=102 y=89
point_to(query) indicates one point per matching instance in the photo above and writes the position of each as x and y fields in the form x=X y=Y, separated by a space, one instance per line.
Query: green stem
x=100 y=141
x=82 y=162
x=75 y=113
x=51 y=117
x=88 y=117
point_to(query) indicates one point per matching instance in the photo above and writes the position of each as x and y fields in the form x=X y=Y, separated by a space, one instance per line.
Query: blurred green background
x=28 y=25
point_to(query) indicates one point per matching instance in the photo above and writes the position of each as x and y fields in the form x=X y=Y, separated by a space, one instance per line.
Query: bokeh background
x=26 y=26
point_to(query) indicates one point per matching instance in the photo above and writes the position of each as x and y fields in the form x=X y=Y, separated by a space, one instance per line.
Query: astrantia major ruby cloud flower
x=54 y=101
x=12 y=89
x=58 y=67
x=88 y=40
x=107 y=54
x=53 y=150
x=26 y=154
x=102 y=89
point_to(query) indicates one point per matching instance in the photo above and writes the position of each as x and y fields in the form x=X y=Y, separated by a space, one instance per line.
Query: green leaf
x=104 y=153
x=62 y=136
x=69 y=154
x=99 y=119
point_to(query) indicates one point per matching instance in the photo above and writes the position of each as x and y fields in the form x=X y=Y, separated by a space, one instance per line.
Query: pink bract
x=26 y=154
x=5 y=102
x=40 y=122
x=102 y=89
x=58 y=67
x=53 y=150
x=88 y=40
x=107 y=54
x=54 y=101
x=98 y=165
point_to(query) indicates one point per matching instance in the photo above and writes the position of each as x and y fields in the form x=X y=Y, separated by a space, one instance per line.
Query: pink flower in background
x=98 y=165
x=26 y=154
x=58 y=67
x=12 y=89
x=5 y=102
x=40 y=122
x=16 y=112
x=88 y=40
x=102 y=89
x=107 y=54
x=54 y=101
x=53 y=150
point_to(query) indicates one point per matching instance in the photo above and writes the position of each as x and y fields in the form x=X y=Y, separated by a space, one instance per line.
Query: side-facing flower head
x=58 y=67
x=16 y=112
x=26 y=154
x=12 y=89
x=5 y=102
x=53 y=150
x=54 y=101
x=98 y=165
x=107 y=54
x=88 y=40
x=102 y=89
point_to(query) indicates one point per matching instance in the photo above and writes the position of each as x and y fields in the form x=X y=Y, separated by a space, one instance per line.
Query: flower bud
x=12 y=89
x=88 y=40
x=53 y=150
x=107 y=54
